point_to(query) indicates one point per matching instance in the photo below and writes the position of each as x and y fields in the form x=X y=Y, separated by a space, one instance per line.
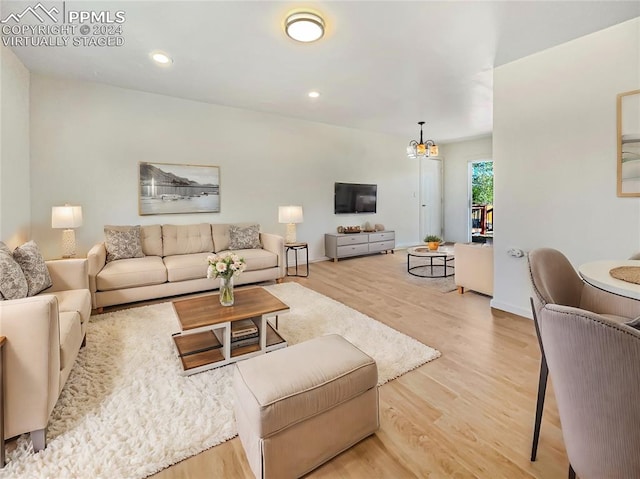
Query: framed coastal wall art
x=166 y=188
x=628 y=109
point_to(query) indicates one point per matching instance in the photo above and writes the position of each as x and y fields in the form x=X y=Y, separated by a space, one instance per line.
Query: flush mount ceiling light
x=161 y=58
x=314 y=94
x=304 y=26
x=422 y=149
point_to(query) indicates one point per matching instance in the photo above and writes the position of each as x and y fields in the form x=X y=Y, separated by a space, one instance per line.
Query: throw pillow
x=13 y=284
x=35 y=270
x=122 y=242
x=244 y=237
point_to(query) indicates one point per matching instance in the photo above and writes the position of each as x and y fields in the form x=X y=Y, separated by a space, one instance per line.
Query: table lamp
x=290 y=215
x=67 y=217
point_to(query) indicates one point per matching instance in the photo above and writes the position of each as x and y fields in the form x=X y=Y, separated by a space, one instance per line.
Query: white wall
x=15 y=218
x=88 y=138
x=457 y=157
x=554 y=149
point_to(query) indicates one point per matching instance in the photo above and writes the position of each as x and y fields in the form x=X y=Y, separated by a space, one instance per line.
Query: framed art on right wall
x=628 y=109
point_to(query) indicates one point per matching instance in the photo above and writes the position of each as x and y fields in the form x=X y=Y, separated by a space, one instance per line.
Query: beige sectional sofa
x=174 y=262
x=44 y=335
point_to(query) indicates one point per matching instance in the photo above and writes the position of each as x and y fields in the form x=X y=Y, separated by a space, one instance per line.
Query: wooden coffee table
x=205 y=340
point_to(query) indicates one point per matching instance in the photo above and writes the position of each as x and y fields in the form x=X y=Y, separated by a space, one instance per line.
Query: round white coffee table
x=430 y=264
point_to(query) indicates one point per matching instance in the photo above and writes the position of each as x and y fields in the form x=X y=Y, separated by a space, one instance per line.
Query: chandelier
x=422 y=149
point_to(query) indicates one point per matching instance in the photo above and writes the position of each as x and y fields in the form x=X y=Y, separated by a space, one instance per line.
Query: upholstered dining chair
x=555 y=281
x=594 y=363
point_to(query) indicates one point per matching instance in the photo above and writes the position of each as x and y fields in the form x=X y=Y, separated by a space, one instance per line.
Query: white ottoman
x=298 y=407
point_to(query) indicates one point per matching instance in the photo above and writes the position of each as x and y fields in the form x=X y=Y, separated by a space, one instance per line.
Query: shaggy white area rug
x=126 y=412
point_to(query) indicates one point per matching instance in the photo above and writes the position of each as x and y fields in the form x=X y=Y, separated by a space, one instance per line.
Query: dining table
x=598 y=274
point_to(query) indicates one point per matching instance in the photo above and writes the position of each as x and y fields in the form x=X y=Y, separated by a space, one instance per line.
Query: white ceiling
x=382 y=65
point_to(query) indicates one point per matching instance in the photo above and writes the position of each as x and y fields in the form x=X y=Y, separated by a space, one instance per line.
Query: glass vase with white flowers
x=225 y=266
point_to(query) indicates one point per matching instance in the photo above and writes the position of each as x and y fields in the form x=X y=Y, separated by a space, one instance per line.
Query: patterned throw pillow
x=35 y=270
x=244 y=237
x=13 y=284
x=122 y=242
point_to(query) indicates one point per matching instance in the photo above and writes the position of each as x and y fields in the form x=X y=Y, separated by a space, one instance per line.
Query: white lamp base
x=68 y=243
x=291 y=233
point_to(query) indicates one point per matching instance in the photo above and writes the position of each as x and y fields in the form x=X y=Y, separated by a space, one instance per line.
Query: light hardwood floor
x=468 y=414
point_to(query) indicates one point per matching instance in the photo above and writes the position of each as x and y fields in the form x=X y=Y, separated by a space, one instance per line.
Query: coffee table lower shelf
x=202 y=351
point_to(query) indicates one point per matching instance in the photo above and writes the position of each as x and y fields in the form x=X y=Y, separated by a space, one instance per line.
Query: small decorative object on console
x=340 y=229
x=379 y=227
x=225 y=267
x=367 y=228
x=351 y=229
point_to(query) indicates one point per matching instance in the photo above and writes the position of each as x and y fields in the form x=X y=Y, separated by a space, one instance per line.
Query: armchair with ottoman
x=45 y=325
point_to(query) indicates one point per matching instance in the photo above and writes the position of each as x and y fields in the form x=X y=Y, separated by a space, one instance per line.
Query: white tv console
x=338 y=245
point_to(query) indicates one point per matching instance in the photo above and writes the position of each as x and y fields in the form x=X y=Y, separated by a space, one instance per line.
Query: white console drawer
x=353 y=239
x=382 y=236
x=381 y=246
x=352 y=250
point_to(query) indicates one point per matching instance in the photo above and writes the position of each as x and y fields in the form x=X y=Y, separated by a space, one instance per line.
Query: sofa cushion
x=244 y=237
x=75 y=301
x=186 y=266
x=257 y=259
x=13 y=284
x=220 y=235
x=33 y=266
x=186 y=239
x=151 y=240
x=130 y=273
x=122 y=242
x=70 y=337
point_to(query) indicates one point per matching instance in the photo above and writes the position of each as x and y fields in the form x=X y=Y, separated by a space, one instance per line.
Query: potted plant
x=433 y=242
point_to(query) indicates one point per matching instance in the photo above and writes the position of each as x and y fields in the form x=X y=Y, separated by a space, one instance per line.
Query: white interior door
x=430 y=197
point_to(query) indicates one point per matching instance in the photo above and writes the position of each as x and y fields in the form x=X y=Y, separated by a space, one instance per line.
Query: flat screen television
x=355 y=198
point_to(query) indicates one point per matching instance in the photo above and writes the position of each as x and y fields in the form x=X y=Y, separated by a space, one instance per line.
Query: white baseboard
x=509 y=308
x=317 y=260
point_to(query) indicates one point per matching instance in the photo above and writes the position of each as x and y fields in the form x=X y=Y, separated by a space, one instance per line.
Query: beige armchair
x=555 y=281
x=474 y=267
x=594 y=365
x=44 y=334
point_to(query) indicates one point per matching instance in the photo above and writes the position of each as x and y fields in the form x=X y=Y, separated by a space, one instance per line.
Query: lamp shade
x=289 y=214
x=66 y=216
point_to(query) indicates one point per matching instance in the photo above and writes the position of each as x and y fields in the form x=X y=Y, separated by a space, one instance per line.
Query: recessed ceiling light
x=304 y=26
x=161 y=58
x=314 y=94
